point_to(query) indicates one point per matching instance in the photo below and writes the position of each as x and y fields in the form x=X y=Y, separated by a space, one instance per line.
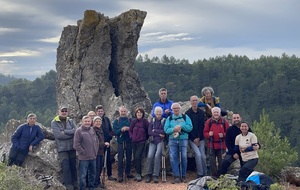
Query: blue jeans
x=154 y=156
x=174 y=146
x=200 y=157
x=98 y=170
x=87 y=167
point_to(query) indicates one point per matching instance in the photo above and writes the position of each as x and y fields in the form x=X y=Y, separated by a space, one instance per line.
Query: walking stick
x=163 y=163
x=180 y=160
x=124 y=159
x=210 y=153
x=221 y=146
x=104 y=168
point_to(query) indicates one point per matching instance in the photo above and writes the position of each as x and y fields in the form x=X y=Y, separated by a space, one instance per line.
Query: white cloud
x=50 y=40
x=20 y=53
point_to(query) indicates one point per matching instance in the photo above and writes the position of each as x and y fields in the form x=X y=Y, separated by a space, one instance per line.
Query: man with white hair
x=178 y=126
x=24 y=139
x=215 y=131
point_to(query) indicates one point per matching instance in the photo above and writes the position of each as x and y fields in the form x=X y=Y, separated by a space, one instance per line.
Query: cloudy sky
x=186 y=29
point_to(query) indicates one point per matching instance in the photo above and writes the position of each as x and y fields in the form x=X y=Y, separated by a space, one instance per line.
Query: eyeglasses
x=64 y=111
x=175 y=108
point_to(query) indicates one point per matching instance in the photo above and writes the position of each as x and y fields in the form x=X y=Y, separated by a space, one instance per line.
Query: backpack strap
x=223 y=124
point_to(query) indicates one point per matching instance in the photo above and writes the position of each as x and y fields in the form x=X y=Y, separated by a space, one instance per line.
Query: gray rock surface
x=95 y=64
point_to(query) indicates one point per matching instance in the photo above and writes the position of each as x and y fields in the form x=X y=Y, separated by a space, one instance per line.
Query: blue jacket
x=186 y=126
x=22 y=138
x=117 y=126
x=164 y=106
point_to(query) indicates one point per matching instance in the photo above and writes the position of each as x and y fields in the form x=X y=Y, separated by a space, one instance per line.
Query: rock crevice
x=95 y=64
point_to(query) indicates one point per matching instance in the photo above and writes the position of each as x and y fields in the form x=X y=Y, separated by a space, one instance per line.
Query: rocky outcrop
x=95 y=64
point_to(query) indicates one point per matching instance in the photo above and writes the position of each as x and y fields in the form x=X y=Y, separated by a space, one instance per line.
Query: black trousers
x=16 y=156
x=138 y=149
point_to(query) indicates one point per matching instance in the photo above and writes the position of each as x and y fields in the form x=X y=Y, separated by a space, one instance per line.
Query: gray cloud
x=192 y=29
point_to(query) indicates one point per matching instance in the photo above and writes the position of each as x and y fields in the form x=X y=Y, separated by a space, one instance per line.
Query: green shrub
x=223 y=183
x=277 y=186
x=14 y=178
x=276 y=152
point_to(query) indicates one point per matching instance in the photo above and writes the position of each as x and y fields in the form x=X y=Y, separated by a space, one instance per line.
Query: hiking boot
x=148 y=178
x=155 y=179
x=138 y=177
x=120 y=179
x=183 y=180
x=111 y=178
x=130 y=176
x=176 y=180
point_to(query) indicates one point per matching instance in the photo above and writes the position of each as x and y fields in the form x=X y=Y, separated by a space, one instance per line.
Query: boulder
x=95 y=64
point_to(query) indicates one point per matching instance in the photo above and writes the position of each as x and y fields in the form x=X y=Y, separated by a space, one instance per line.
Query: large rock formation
x=95 y=64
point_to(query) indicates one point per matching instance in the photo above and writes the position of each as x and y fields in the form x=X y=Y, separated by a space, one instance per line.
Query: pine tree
x=276 y=152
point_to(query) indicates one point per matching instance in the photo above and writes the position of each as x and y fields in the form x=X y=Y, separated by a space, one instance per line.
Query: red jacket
x=216 y=127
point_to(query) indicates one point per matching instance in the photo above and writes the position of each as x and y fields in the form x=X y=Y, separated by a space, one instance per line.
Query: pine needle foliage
x=275 y=152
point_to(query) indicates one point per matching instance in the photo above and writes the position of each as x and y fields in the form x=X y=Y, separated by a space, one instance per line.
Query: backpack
x=223 y=124
x=256 y=181
x=199 y=183
x=183 y=116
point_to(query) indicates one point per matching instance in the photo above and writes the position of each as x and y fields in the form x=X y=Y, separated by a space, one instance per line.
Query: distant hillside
x=5 y=79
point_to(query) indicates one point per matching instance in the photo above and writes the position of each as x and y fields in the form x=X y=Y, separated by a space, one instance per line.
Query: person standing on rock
x=196 y=138
x=24 y=139
x=86 y=144
x=108 y=131
x=164 y=103
x=121 y=127
x=63 y=129
x=178 y=126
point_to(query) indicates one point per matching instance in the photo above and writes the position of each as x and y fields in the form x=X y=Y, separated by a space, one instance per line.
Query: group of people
x=168 y=128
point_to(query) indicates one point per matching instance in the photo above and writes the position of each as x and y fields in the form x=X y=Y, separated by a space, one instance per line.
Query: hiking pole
x=180 y=160
x=104 y=168
x=210 y=154
x=124 y=159
x=221 y=147
x=163 y=163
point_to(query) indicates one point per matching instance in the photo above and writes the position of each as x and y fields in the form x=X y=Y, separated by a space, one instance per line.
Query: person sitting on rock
x=24 y=139
x=209 y=101
x=247 y=144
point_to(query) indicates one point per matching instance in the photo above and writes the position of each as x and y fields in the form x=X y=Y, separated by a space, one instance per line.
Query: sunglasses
x=64 y=111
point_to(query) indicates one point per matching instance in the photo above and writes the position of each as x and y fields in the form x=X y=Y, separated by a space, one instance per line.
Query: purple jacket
x=156 y=127
x=138 y=130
